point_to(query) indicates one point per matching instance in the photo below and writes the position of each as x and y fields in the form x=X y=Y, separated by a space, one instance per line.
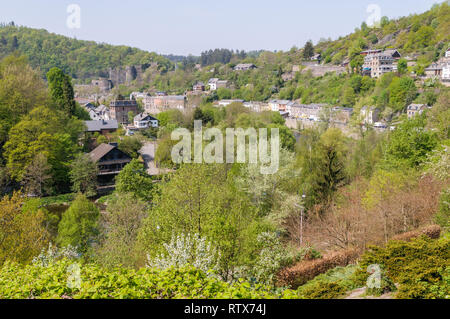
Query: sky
x=191 y=26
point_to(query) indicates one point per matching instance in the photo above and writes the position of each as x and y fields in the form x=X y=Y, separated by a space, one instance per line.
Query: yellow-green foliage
x=330 y=285
x=421 y=267
x=37 y=281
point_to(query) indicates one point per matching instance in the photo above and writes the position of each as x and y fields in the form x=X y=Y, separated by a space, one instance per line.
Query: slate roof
x=101 y=151
x=144 y=116
x=97 y=126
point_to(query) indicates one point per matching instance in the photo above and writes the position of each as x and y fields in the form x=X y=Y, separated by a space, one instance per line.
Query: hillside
x=423 y=36
x=80 y=59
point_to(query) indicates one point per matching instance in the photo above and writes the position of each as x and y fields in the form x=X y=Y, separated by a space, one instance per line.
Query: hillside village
x=297 y=115
x=88 y=176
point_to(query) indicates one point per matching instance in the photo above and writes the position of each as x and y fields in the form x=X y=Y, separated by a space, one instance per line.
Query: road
x=148 y=155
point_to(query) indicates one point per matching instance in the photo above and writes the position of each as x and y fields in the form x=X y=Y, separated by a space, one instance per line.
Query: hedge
x=304 y=271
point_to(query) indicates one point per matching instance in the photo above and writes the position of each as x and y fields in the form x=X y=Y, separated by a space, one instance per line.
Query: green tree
x=402 y=92
x=410 y=143
x=37 y=176
x=83 y=175
x=198 y=199
x=120 y=225
x=308 y=50
x=402 y=66
x=43 y=131
x=130 y=145
x=329 y=169
x=22 y=234
x=134 y=179
x=79 y=224
x=21 y=89
x=61 y=91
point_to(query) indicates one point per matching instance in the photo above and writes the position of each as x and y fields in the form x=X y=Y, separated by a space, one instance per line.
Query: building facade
x=119 y=109
x=160 y=103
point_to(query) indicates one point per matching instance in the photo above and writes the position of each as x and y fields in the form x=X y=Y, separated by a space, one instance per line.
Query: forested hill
x=423 y=36
x=81 y=59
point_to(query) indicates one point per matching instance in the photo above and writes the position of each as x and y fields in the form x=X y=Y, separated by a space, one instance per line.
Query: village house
x=378 y=63
x=341 y=115
x=100 y=112
x=119 y=110
x=306 y=111
x=144 y=120
x=369 y=114
x=198 y=87
x=101 y=126
x=138 y=95
x=244 y=67
x=278 y=105
x=434 y=70
x=257 y=106
x=110 y=161
x=316 y=57
x=446 y=72
x=160 y=103
x=228 y=102
x=414 y=109
x=212 y=83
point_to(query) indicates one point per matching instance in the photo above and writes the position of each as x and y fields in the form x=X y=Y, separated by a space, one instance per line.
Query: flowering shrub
x=53 y=253
x=186 y=250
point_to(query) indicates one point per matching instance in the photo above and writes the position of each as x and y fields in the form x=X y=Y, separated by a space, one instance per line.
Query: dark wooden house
x=110 y=161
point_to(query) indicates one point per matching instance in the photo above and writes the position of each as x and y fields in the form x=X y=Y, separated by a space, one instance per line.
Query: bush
x=93 y=282
x=330 y=285
x=303 y=271
x=420 y=266
x=433 y=231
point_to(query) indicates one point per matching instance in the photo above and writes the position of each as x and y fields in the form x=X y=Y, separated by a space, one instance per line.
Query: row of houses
x=440 y=69
x=370 y=115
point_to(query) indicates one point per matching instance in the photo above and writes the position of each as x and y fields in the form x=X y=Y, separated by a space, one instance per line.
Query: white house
x=213 y=84
x=369 y=114
x=414 y=109
x=278 y=105
x=446 y=71
x=143 y=120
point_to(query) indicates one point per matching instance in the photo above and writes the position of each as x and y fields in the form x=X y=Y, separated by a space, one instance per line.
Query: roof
x=101 y=108
x=97 y=126
x=101 y=151
x=415 y=107
x=144 y=116
x=245 y=65
x=213 y=80
x=391 y=52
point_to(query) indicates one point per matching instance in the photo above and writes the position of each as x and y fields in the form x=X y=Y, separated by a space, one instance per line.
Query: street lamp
x=302 y=209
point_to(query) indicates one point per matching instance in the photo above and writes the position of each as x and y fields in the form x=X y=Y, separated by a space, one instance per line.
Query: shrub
x=419 y=266
x=36 y=281
x=433 y=231
x=306 y=270
x=330 y=285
